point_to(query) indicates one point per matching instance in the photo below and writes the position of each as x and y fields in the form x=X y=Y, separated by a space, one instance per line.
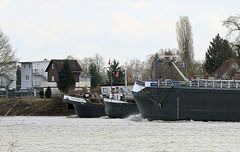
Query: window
x=24 y=66
x=52 y=78
x=52 y=66
x=35 y=80
x=27 y=77
x=29 y=66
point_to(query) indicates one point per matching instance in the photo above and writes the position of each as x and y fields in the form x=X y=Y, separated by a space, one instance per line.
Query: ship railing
x=202 y=83
x=215 y=83
x=199 y=83
x=169 y=82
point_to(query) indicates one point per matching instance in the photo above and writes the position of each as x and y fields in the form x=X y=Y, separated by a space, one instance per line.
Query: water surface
x=56 y=134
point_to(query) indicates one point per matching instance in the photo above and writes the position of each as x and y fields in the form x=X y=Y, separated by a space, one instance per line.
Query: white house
x=41 y=74
x=33 y=75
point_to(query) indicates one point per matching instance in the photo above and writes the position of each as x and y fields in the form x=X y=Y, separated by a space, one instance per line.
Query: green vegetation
x=96 y=77
x=66 y=81
x=115 y=73
x=218 y=51
x=41 y=94
x=48 y=92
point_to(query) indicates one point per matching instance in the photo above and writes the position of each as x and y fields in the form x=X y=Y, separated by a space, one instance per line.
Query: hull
x=120 y=109
x=184 y=103
x=87 y=109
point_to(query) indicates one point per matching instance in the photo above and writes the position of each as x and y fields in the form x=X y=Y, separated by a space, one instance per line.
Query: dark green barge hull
x=87 y=110
x=185 y=103
x=120 y=110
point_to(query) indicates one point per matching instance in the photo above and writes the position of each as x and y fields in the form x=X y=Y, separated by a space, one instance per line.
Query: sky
x=114 y=29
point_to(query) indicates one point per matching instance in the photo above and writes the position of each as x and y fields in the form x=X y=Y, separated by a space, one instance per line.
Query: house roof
x=224 y=67
x=227 y=69
x=59 y=63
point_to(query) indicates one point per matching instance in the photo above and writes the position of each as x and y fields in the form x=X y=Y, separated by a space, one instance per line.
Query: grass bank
x=33 y=107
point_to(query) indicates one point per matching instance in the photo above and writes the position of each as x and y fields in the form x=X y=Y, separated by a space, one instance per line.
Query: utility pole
x=126 y=77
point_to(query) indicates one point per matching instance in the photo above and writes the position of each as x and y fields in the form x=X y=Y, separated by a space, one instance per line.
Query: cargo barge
x=84 y=107
x=201 y=100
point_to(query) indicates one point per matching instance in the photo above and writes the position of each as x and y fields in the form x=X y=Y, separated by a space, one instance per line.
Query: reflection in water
x=28 y=134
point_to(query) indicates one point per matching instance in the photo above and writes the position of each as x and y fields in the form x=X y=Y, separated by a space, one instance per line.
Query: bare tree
x=7 y=56
x=99 y=62
x=233 y=25
x=135 y=70
x=185 y=43
x=96 y=60
x=85 y=64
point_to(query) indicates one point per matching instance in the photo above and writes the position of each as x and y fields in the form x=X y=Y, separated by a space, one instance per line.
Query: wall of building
x=39 y=74
x=26 y=76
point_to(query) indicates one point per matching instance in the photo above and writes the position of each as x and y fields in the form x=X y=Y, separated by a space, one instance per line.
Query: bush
x=48 y=92
x=41 y=94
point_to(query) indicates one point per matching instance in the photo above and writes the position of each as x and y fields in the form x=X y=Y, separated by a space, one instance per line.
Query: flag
x=117 y=74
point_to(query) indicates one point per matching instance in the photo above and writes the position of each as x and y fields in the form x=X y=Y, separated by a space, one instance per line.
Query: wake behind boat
x=84 y=107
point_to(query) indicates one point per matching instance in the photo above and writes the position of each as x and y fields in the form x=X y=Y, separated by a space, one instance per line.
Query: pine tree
x=96 y=77
x=66 y=81
x=218 y=51
x=48 y=92
x=115 y=73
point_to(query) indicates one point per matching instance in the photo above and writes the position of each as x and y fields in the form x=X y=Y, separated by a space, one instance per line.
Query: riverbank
x=33 y=107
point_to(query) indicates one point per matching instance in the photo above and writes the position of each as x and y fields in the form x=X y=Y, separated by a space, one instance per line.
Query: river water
x=57 y=134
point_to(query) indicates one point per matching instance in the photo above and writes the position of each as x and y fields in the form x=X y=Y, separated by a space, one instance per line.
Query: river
x=62 y=134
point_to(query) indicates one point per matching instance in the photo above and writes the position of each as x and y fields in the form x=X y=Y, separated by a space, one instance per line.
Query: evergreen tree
x=18 y=81
x=115 y=73
x=96 y=77
x=218 y=51
x=48 y=92
x=66 y=81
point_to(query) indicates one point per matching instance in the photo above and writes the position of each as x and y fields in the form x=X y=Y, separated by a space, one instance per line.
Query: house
x=227 y=70
x=55 y=66
x=33 y=75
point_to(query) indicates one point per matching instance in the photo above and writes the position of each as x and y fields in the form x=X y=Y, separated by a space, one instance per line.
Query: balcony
x=38 y=71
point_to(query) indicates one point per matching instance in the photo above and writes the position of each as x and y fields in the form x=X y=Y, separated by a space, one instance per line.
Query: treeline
x=156 y=65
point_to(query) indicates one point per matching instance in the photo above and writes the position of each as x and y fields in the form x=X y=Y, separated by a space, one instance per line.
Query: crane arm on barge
x=179 y=72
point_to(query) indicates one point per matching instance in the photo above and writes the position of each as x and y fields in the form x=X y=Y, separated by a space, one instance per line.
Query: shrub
x=41 y=94
x=48 y=92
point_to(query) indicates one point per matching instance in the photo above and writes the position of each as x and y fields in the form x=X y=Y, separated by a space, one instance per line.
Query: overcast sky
x=120 y=29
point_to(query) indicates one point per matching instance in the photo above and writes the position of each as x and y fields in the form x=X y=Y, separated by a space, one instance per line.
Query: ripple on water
x=134 y=133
